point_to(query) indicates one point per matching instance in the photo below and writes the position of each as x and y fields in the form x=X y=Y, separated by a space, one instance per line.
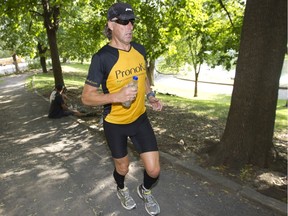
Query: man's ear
x=110 y=25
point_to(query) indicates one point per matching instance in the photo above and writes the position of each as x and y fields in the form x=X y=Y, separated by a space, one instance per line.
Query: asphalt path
x=60 y=167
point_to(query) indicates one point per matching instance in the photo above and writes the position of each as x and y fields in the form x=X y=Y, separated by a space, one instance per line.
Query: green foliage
x=224 y=38
x=167 y=65
x=24 y=29
x=5 y=53
x=167 y=25
x=202 y=33
x=81 y=32
x=15 y=22
x=150 y=28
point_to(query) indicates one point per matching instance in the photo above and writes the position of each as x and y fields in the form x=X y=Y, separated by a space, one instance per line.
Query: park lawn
x=74 y=77
x=217 y=108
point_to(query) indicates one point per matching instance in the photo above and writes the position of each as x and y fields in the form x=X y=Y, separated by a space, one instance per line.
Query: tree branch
x=227 y=12
x=36 y=13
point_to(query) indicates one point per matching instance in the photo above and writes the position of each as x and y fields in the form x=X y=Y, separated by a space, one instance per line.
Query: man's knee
x=122 y=165
x=153 y=171
x=151 y=163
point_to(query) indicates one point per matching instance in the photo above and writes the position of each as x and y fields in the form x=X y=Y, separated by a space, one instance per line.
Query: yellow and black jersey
x=113 y=69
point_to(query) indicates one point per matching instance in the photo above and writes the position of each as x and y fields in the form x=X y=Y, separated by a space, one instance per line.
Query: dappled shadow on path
x=50 y=166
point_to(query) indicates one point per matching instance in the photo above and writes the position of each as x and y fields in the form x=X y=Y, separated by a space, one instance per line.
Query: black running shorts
x=140 y=133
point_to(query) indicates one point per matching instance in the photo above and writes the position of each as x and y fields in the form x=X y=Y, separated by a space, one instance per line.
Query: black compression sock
x=119 y=179
x=149 y=181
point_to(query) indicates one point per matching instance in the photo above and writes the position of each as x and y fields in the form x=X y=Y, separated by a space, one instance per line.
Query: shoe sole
x=128 y=208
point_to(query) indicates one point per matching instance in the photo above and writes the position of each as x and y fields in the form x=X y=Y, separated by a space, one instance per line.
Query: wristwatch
x=150 y=94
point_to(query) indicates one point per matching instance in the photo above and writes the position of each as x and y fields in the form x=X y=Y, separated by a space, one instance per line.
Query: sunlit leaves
x=204 y=26
x=160 y=24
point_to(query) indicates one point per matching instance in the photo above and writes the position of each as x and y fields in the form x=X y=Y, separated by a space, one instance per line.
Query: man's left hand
x=155 y=103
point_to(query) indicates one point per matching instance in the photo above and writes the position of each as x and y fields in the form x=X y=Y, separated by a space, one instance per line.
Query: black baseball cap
x=121 y=11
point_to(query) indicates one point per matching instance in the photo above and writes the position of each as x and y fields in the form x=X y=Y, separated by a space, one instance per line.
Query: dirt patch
x=182 y=133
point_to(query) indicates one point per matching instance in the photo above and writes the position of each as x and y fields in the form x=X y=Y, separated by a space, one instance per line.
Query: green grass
x=76 y=67
x=281 y=122
x=216 y=107
x=212 y=109
x=74 y=76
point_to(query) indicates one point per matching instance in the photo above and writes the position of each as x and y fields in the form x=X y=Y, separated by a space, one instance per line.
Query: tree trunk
x=43 y=64
x=56 y=64
x=248 y=135
x=197 y=68
x=14 y=56
x=51 y=21
x=196 y=85
x=150 y=72
x=42 y=52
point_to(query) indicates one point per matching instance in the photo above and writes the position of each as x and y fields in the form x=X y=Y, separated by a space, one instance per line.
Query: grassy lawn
x=74 y=77
x=75 y=74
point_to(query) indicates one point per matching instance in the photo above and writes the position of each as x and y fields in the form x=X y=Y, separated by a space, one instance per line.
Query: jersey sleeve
x=94 y=77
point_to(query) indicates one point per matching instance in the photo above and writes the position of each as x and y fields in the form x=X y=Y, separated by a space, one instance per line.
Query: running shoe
x=151 y=205
x=125 y=198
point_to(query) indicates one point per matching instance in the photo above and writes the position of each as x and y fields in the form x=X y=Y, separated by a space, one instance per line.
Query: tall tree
x=204 y=34
x=248 y=135
x=51 y=15
x=13 y=34
x=20 y=19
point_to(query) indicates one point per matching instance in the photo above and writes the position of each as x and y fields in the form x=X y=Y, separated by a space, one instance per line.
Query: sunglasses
x=124 y=22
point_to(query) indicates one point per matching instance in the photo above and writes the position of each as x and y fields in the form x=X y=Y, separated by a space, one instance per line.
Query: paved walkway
x=60 y=167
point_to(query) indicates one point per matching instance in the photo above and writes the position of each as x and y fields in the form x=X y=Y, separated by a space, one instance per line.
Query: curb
x=244 y=191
